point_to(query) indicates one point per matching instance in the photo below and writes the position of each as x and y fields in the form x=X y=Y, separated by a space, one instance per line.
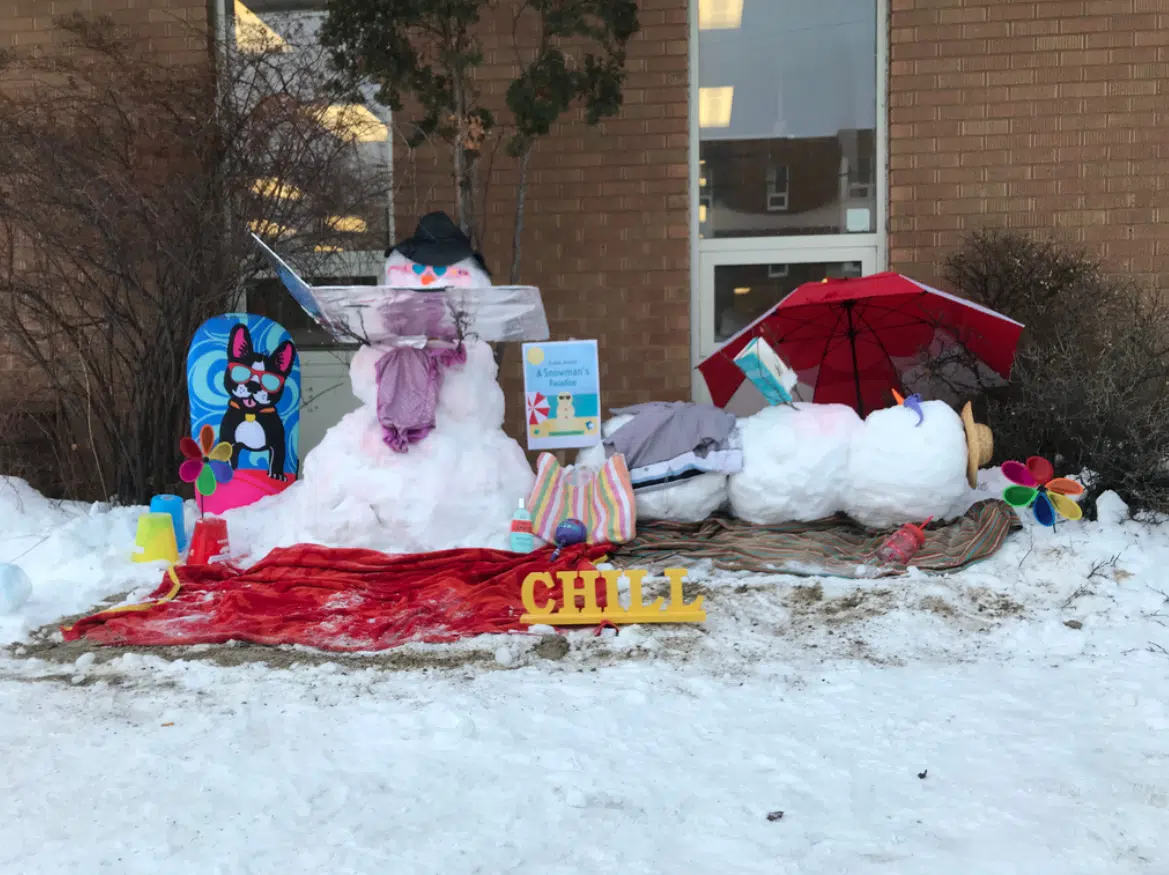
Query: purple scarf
x=409 y=378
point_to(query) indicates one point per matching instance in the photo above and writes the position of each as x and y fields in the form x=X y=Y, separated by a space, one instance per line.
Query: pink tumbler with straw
x=903 y=544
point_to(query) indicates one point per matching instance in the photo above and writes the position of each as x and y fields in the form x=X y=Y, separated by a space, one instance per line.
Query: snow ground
x=1044 y=747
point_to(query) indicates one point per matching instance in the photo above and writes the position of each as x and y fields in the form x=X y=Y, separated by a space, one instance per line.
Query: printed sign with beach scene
x=243 y=379
x=562 y=394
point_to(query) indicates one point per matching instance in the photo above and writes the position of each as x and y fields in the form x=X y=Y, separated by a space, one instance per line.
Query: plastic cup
x=208 y=541
x=173 y=505
x=156 y=539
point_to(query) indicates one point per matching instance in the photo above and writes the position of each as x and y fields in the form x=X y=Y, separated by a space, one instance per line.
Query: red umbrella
x=849 y=338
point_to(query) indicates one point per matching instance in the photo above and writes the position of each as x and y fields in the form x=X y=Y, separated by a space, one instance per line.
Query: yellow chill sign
x=562 y=609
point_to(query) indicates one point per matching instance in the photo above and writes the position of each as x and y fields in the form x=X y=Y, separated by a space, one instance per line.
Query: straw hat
x=979 y=445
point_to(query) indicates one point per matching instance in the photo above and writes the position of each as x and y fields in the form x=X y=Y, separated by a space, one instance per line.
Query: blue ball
x=15 y=588
x=571 y=532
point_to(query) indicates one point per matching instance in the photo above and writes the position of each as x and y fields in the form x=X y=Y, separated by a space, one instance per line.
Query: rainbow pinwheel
x=1037 y=487
x=207 y=463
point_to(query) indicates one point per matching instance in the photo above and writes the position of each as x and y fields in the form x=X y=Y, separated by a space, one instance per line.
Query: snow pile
x=74 y=555
x=458 y=487
x=27 y=513
x=689 y=501
x=1111 y=511
x=899 y=471
x=955 y=722
x=795 y=463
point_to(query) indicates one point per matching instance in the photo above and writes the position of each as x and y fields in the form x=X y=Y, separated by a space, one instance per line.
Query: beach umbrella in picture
x=853 y=340
x=538 y=408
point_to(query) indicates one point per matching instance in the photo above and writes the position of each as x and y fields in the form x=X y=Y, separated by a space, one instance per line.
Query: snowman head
x=438 y=255
x=405 y=273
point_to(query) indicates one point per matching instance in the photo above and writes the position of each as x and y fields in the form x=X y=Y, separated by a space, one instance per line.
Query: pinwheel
x=207 y=463
x=1037 y=487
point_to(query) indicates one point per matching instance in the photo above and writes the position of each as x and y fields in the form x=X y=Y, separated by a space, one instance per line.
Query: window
x=776 y=189
x=742 y=295
x=358 y=228
x=788 y=90
x=860 y=178
x=778 y=271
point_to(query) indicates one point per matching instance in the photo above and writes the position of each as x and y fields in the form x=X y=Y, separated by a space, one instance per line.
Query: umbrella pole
x=856 y=374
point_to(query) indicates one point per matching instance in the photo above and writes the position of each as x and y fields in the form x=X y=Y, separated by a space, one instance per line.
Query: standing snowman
x=423 y=464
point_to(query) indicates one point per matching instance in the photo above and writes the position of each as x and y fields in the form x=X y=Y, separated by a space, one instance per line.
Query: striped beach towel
x=834 y=547
x=602 y=500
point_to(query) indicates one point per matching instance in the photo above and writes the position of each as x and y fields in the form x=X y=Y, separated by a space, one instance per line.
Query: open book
x=767 y=371
x=381 y=314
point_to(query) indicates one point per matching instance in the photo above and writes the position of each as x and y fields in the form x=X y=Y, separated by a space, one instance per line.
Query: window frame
x=778 y=198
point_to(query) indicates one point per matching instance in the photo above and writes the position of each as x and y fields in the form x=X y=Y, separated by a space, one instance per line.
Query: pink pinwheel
x=1037 y=487
x=207 y=464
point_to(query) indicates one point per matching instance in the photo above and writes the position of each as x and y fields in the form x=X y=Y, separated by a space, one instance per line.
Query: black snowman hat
x=437 y=242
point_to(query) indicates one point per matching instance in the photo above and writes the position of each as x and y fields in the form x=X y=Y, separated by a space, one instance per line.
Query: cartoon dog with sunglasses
x=255 y=384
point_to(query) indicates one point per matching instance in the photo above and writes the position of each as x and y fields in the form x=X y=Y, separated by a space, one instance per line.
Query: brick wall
x=173 y=27
x=178 y=30
x=1050 y=117
x=607 y=227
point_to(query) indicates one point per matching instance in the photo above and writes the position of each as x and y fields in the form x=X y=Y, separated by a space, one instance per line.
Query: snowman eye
x=418 y=269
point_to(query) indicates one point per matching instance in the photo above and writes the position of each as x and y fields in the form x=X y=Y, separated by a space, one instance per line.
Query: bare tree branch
x=128 y=187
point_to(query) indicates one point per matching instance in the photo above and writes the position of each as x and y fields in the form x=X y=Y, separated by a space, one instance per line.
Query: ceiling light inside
x=253 y=36
x=353 y=121
x=714 y=106
x=720 y=14
x=349 y=224
x=265 y=228
x=274 y=188
x=743 y=290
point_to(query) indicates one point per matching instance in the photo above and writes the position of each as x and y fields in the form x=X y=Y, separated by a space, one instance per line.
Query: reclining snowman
x=802 y=462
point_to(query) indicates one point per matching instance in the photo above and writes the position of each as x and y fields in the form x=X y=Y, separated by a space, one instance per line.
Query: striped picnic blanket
x=836 y=547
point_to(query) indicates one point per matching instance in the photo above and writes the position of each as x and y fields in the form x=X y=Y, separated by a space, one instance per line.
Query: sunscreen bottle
x=522 y=540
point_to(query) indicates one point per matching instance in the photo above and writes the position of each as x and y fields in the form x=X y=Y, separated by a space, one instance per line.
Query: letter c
x=528 y=593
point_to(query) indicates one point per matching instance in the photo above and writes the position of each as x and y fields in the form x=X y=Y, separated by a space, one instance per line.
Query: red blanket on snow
x=336 y=599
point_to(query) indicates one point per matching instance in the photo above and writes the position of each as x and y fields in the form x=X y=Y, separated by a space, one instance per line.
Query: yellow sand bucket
x=156 y=539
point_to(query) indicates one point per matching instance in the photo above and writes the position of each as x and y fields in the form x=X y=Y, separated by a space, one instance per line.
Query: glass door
x=736 y=288
x=788 y=154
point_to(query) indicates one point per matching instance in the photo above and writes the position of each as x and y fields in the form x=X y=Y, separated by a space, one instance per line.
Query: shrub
x=128 y=187
x=1090 y=386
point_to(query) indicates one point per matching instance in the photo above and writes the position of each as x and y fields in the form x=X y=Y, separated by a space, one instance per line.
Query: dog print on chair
x=243 y=378
x=255 y=384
